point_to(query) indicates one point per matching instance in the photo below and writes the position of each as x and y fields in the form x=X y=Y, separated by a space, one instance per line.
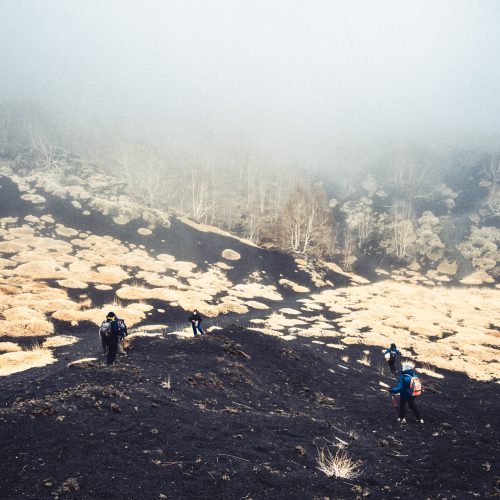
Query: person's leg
x=402 y=407
x=120 y=349
x=392 y=365
x=104 y=346
x=111 y=354
x=413 y=405
x=200 y=329
x=194 y=329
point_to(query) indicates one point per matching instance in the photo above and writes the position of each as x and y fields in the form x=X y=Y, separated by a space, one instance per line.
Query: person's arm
x=399 y=387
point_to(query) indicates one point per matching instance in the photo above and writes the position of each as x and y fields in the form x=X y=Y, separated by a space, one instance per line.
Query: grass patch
x=340 y=465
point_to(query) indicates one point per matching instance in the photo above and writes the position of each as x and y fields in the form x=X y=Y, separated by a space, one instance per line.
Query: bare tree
x=491 y=174
x=402 y=227
x=305 y=222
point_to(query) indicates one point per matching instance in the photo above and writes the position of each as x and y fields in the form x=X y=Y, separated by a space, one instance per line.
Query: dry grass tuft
x=409 y=314
x=365 y=360
x=60 y=340
x=232 y=306
x=339 y=466
x=34 y=357
x=230 y=254
x=254 y=304
x=66 y=231
x=26 y=328
x=255 y=290
x=82 y=361
x=42 y=269
x=9 y=347
x=73 y=284
x=166 y=384
x=293 y=286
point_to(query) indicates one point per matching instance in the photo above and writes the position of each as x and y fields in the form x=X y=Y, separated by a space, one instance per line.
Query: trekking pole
x=395 y=404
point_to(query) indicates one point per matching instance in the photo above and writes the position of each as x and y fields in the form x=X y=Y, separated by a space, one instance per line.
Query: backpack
x=105 y=330
x=122 y=327
x=415 y=387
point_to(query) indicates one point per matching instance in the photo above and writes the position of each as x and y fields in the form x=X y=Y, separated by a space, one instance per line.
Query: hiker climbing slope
x=110 y=333
x=195 y=319
x=408 y=388
x=390 y=355
x=123 y=331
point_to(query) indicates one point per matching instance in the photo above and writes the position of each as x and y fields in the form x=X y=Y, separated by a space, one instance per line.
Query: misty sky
x=307 y=72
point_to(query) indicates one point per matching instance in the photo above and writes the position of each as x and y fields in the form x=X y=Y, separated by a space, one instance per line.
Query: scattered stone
x=115 y=408
x=383 y=443
x=229 y=254
x=71 y=484
x=300 y=451
x=155 y=432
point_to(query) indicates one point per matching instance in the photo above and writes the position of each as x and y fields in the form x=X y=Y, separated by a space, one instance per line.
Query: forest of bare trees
x=393 y=211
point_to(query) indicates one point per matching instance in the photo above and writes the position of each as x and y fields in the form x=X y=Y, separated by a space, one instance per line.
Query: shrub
x=340 y=466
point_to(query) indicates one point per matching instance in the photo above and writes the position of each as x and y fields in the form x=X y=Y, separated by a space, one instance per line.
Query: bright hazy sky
x=275 y=71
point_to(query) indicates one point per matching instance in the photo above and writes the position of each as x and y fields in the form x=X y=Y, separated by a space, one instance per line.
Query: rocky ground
x=239 y=414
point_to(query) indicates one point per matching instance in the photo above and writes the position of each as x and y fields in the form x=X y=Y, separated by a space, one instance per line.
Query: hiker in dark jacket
x=404 y=391
x=195 y=319
x=391 y=354
x=121 y=338
x=112 y=338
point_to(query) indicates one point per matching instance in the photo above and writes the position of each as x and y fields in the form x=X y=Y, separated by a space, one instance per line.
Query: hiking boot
x=421 y=421
x=402 y=420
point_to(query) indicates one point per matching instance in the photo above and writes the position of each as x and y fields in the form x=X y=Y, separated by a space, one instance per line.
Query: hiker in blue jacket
x=405 y=392
x=195 y=319
x=391 y=354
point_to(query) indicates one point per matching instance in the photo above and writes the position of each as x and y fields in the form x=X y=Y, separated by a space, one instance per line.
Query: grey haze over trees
x=344 y=130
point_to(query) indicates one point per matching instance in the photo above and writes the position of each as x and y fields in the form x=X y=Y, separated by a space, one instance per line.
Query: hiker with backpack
x=109 y=332
x=121 y=338
x=195 y=319
x=390 y=355
x=409 y=387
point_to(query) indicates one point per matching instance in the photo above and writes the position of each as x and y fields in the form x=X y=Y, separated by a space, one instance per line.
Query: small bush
x=340 y=466
x=365 y=360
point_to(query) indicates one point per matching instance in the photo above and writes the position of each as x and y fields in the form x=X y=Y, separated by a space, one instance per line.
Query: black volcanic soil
x=243 y=418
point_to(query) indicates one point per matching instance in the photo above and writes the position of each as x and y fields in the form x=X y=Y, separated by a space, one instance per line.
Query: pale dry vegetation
x=21 y=360
x=60 y=341
x=230 y=254
x=295 y=287
x=256 y=290
x=340 y=465
x=447 y=327
x=9 y=347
